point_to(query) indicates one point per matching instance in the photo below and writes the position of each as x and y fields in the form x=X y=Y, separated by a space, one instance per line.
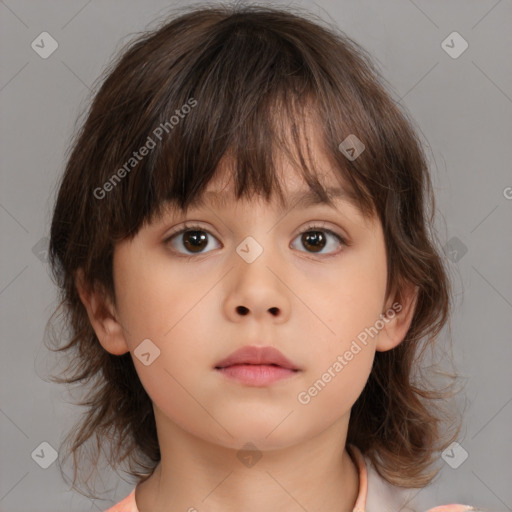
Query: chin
x=263 y=435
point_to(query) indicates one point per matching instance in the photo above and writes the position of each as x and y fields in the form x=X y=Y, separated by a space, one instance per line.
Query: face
x=307 y=282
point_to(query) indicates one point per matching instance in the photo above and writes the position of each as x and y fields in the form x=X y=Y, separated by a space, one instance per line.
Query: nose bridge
x=258 y=229
x=257 y=288
x=258 y=254
x=260 y=249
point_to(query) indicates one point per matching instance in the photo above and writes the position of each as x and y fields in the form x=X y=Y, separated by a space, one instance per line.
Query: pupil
x=194 y=240
x=314 y=239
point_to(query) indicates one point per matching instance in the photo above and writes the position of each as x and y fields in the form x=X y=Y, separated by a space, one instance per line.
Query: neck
x=195 y=475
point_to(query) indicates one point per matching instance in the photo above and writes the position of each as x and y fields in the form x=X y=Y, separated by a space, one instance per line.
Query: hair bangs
x=258 y=101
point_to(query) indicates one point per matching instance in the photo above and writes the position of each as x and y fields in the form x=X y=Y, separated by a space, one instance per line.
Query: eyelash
x=310 y=227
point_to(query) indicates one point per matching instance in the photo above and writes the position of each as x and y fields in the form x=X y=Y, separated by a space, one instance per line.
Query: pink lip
x=257 y=374
x=257 y=355
x=257 y=366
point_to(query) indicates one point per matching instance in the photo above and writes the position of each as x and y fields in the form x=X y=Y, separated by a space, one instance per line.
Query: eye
x=193 y=238
x=316 y=237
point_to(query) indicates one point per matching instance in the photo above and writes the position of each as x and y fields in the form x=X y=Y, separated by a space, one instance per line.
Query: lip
x=250 y=355
x=257 y=366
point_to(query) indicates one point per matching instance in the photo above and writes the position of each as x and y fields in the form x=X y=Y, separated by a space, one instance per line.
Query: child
x=243 y=246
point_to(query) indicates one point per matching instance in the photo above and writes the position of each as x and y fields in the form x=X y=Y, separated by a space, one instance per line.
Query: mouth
x=257 y=356
x=257 y=366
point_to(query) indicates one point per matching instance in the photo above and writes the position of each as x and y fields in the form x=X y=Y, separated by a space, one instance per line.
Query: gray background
x=462 y=108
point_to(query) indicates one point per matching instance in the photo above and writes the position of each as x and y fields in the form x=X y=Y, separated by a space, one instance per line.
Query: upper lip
x=257 y=355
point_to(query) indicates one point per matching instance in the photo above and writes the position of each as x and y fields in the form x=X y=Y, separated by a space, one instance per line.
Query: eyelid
x=323 y=226
x=185 y=226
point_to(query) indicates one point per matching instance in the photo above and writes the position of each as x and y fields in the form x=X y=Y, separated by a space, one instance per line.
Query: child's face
x=311 y=306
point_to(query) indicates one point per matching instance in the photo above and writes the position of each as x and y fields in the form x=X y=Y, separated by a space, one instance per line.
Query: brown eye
x=317 y=238
x=313 y=240
x=190 y=240
x=194 y=241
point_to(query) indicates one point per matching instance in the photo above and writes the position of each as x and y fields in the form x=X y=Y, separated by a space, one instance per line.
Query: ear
x=102 y=316
x=398 y=324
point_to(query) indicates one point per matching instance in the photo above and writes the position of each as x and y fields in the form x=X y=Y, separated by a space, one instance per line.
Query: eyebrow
x=300 y=199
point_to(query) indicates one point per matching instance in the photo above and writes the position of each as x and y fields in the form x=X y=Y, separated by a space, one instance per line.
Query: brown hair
x=249 y=75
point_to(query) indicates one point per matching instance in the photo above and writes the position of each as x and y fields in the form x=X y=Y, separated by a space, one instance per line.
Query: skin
x=308 y=305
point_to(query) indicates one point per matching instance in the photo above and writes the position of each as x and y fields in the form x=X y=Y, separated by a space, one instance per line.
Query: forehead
x=219 y=194
x=290 y=189
x=297 y=198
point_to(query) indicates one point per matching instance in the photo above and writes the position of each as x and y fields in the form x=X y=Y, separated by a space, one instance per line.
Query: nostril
x=274 y=311
x=242 y=310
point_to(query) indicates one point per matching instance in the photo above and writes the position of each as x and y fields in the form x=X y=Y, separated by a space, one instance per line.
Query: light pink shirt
x=375 y=493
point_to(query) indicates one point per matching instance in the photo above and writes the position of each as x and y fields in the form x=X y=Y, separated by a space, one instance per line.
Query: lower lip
x=257 y=375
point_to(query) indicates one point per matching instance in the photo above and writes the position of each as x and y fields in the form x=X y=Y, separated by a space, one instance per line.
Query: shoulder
x=454 y=507
x=381 y=497
x=385 y=497
x=125 y=505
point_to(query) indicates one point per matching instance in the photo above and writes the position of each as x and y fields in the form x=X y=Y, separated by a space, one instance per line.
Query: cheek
x=335 y=390
x=344 y=348
x=154 y=297
x=348 y=301
x=178 y=380
x=163 y=304
x=341 y=364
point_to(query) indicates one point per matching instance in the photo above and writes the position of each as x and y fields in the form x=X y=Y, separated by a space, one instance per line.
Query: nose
x=258 y=290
